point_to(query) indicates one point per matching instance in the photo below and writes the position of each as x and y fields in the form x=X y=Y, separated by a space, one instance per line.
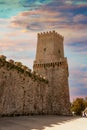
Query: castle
x=43 y=91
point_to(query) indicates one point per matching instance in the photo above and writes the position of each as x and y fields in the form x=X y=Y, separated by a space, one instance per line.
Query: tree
x=85 y=101
x=78 y=106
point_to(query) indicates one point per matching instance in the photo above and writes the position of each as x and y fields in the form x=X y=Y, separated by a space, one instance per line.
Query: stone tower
x=51 y=63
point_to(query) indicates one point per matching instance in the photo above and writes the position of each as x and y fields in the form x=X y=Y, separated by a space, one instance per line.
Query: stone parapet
x=50 y=61
x=50 y=33
x=51 y=64
x=19 y=67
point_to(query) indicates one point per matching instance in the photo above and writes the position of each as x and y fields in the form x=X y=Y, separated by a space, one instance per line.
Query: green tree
x=78 y=106
x=85 y=101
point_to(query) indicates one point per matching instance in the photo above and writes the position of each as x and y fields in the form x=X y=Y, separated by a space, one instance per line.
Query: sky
x=21 y=20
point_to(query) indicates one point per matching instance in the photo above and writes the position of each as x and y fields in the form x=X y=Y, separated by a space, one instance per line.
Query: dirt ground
x=43 y=123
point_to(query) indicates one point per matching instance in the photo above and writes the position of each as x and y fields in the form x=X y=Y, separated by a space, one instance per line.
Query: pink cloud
x=37 y=18
x=79 y=18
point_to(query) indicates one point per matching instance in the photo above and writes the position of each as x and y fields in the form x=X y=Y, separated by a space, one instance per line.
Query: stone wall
x=21 y=92
x=58 y=92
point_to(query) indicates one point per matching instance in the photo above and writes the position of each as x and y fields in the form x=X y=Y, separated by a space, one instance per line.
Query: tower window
x=44 y=49
x=59 y=51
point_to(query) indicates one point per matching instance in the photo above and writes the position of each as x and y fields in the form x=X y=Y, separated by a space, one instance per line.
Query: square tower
x=51 y=63
x=49 y=47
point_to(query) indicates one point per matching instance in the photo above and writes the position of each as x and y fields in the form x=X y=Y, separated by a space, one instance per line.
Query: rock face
x=26 y=92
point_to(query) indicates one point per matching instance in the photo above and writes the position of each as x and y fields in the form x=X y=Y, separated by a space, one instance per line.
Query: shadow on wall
x=33 y=122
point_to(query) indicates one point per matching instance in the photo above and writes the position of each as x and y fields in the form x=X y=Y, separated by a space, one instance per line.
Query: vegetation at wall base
x=78 y=106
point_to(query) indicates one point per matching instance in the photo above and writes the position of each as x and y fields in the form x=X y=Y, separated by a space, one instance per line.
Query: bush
x=78 y=106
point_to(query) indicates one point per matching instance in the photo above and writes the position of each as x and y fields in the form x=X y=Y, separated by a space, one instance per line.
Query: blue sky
x=21 y=20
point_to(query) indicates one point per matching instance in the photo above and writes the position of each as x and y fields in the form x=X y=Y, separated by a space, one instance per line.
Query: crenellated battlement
x=51 y=64
x=50 y=33
x=20 y=68
x=58 y=64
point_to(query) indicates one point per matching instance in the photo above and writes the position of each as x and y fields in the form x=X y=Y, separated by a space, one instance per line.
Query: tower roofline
x=50 y=33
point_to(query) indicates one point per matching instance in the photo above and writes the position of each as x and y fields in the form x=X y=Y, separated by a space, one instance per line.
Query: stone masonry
x=41 y=91
x=22 y=92
x=51 y=63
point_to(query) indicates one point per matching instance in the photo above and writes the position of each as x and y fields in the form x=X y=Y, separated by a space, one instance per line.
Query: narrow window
x=44 y=49
x=59 y=51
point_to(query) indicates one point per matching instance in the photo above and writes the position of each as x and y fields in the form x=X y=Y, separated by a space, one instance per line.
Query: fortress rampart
x=22 y=92
x=44 y=90
x=11 y=65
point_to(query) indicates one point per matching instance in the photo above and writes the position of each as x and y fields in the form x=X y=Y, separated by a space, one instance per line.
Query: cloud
x=79 y=46
x=36 y=20
x=78 y=82
x=80 y=18
x=60 y=16
x=79 y=2
x=15 y=43
x=75 y=2
x=9 y=8
x=18 y=42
